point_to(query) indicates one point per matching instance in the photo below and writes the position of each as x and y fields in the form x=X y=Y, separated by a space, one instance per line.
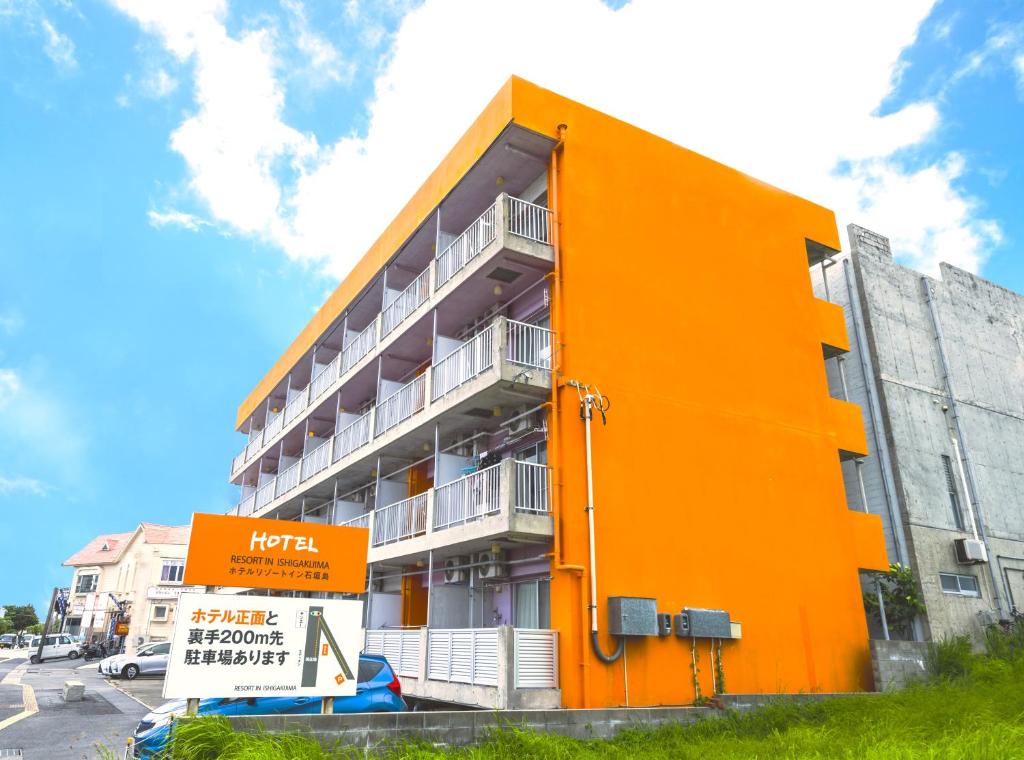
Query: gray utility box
x=632 y=616
x=697 y=623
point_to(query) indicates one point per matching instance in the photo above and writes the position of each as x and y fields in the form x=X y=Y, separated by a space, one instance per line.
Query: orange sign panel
x=258 y=553
x=121 y=629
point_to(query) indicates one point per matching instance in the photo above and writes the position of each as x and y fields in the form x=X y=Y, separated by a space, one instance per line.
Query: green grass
x=972 y=708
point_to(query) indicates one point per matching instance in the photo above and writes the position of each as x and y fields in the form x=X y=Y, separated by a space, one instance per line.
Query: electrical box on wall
x=632 y=616
x=698 y=623
x=664 y=623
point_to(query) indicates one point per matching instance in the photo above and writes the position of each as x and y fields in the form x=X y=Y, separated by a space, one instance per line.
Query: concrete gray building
x=937 y=365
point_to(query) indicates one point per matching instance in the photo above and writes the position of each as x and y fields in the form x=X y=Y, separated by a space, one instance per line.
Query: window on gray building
x=954 y=495
x=964 y=585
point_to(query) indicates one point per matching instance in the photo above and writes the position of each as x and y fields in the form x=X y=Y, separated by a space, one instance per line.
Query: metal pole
x=588 y=402
x=46 y=625
x=430 y=581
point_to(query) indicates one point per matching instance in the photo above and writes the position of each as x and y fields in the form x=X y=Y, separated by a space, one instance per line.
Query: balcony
x=509 y=230
x=495 y=668
x=474 y=376
x=507 y=499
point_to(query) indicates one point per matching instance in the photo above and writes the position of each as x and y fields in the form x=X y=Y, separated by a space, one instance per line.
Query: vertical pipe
x=369 y=596
x=430 y=583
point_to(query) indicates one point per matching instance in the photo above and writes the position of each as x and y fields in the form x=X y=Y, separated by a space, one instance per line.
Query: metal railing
x=296 y=406
x=316 y=460
x=468 y=655
x=536 y=658
x=529 y=220
x=401 y=520
x=253 y=446
x=466 y=246
x=325 y=378
x=531 y=493
x=406 y=303
x=351 y=437
x=463 y=364
x=528 y=345
x=287 y=479
x=359 y=521
x=265 y=493
x=246 y=505
x=400 y=646
x=401 y=405
x=468 y=498
x=239 y=460
x=275 y=426
x=359 y=347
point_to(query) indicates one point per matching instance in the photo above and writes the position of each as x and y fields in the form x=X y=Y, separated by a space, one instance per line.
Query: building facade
x=561 y=264
x=134 y=577
x=944 y=396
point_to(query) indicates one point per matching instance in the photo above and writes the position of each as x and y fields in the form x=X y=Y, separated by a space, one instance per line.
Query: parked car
x=149 y=659
x=8 y=641
x=377 y=690
x=56 y=645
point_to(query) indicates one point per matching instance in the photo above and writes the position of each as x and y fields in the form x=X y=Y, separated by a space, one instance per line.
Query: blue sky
x=182 y=185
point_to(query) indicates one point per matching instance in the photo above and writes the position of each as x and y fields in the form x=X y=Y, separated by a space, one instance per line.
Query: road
x=59 y=730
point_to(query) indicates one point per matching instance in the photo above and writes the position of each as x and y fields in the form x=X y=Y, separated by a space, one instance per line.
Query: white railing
x=275 y=426
x=531 y=493
x=238 y=461
x=468 y=498
x=463 y=364
x=466 y=246
x=528 y=345
x=359 y=347
x=325 y=378
x=406 y=303
x=287 y=480
x=400 y=646
x=536 y=658
x=253 y=446
x=529 y=220
x=401 y=520
x=468 y=655
x=316 y=460
x=245 y=506
x=265 y=493
x=351 y=437
x=401 y=405
x=296 y=406
x=359 y=521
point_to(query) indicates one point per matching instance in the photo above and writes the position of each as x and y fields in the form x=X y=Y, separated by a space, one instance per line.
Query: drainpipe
x=963 y=452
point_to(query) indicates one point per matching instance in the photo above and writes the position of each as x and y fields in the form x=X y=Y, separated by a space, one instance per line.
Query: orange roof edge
x=470 y=147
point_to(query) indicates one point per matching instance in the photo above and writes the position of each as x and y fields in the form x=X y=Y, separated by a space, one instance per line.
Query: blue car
x=377 y=690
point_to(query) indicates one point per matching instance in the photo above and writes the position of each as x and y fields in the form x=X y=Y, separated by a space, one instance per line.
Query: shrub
x=950 y=658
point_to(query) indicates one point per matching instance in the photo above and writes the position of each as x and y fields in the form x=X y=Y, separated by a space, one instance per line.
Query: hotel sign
x=172 y=592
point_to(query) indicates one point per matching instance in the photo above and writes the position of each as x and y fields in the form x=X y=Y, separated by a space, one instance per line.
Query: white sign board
x=258 y=646
x=172 y=592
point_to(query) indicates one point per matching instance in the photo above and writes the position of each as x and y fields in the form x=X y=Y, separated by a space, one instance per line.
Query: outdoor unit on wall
x=490 y=565
x=970 y=551
x=521 y=422
x=454 y=570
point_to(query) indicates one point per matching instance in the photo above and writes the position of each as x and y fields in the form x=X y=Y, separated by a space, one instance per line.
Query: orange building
x=558 y=260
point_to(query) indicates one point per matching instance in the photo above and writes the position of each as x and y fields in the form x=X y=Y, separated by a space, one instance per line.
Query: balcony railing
x=359 y=521
x=325 y=378
x=316 y=460
x=529 y=220
x=359 y=347
x=245 y=506
x=468 y=655
x=401 y=520
x=463 y=364
x=287 y=479
x=401 y=405
x=275 y=426
x=239 y=460
x=468 y=498
x=531 y=493
x=466 y=246
x=406 y=303
x=351 y=437
x=400 y=646
x=265 y=494
x=528 y=345
x=296 y=406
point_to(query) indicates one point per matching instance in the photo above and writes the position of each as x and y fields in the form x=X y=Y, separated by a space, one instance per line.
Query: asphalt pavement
x=62 y=731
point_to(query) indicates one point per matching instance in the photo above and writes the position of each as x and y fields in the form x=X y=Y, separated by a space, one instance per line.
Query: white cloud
x=58 y=47
x=174 y=218
x=11 y=322
x=323 y=63
x=20 y=484
x=790 y=96
x=160 y=84
x=9 y=386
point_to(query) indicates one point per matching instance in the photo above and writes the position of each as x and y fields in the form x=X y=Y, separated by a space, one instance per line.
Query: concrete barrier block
x=74 y=691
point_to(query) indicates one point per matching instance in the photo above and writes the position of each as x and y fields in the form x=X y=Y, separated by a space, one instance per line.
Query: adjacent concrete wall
x=897 y=664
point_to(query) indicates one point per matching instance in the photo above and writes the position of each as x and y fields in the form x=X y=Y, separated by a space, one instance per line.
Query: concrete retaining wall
x=898 y=663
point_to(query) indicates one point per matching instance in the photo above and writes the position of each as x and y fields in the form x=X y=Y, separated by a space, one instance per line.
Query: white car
x=149 y=659
x=56 y=645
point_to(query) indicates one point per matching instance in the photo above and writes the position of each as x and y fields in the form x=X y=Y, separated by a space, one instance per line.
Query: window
x=954 y=494
x=173 y=571
x=160 y=612
x=86 y=583
x=164 y=648
x=368 y=670
x=963 y=585
x=532 y=604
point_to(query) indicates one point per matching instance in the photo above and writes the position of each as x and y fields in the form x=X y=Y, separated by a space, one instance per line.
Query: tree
x=5 y=625
x=21 y=616
x=901 y=597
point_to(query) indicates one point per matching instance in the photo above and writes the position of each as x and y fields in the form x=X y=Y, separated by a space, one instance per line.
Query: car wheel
x=72 y=655
x=34 y=659
x=130 y=671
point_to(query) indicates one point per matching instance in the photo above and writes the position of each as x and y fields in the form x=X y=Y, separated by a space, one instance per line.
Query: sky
x=182 y=184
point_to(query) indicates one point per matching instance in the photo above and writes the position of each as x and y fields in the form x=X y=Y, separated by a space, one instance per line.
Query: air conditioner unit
x=970 y=551
x=520 y=424
x=490 y=565
x=454 y=570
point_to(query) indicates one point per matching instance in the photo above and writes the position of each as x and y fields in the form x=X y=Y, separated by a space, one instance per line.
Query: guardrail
x=325 y=378
x=466 y=246
x=528 y=345
x=405 y=303
x=529 y=220
x=316 y=460
x=401 y=520
x=359 y=347
x=400 y=646
x=359 y=521
x=463 y=364
x=531 y=492
x=296 y=406
x=287 y=479
x=401 y=405
x=265 y=493
x=468 y=498
x=352 y=437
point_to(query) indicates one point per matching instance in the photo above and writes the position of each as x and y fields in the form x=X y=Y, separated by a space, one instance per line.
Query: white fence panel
x=401 y=405
x=352 y=436
x=325 y=378
x=531 y=493
x=296 y=406
x=316 y=460
x=463 y=364
x=529 y=220
x=468 y=498
x=406 y=303
x=528 y=345
x=359 y=347
x=468 y=655
x=265 y=493
x=287 y=480
x=400 y=646
x=466 y=247
x=536 y=659
x=401 y=520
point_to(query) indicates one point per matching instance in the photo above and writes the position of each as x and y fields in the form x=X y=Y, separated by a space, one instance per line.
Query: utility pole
x=46 y=625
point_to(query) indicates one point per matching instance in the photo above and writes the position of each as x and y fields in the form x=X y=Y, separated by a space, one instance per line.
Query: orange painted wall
x=687 y=300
